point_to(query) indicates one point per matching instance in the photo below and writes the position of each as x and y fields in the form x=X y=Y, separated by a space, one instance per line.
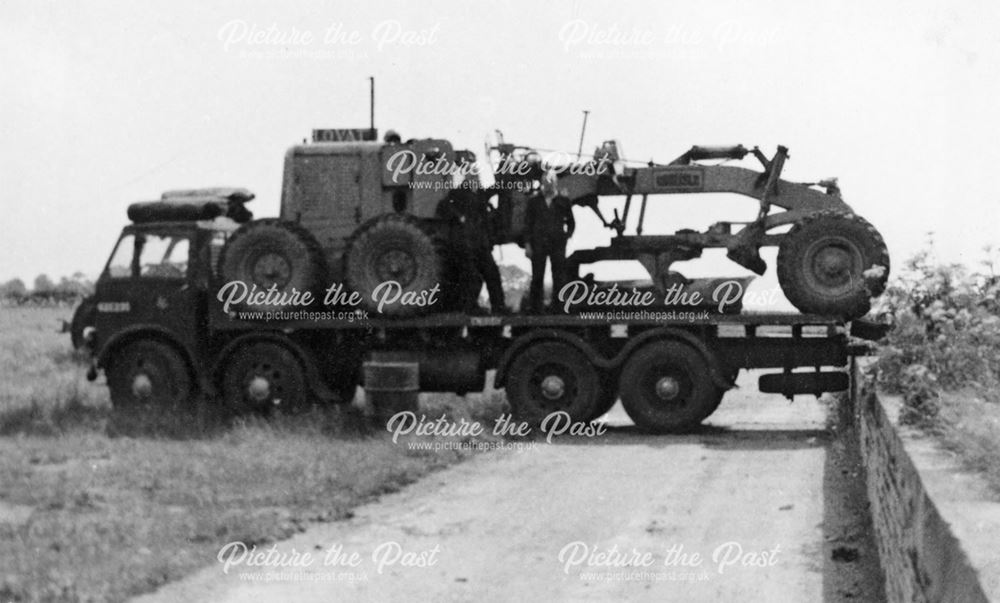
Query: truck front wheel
x=264 y=376
x=550 y=377
x=149 y=373
x=666 y=387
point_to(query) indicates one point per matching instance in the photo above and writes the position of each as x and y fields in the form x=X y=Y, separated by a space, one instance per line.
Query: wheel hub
x=142 y=386
x=553 y=387
x=259 y=389
x=272 y=268
x=667 y=388
x=396 y=265
x=832 y=264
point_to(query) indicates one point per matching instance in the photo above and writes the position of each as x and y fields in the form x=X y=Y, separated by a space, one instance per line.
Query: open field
x=85 y=515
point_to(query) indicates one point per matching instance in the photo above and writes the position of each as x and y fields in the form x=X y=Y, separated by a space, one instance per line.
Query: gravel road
x=762 y=495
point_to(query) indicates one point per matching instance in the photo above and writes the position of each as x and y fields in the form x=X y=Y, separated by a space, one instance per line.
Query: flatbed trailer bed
x=800 y=345
x=454 y=319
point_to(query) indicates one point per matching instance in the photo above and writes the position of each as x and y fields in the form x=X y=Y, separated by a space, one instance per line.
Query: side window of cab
x=120 y=264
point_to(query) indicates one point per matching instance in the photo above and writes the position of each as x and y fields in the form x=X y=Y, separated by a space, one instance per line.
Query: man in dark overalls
x=468 y=210
x=548 y=224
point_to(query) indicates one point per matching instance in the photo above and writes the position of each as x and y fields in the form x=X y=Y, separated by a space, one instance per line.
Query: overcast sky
x=106 y=103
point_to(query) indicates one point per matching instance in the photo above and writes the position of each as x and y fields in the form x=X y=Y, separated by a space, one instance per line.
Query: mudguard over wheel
x=83 y=319
x=264 y=376
x=833 y=263
x=270 y=253
x=149 y=374
x=394 y=247
x=666 y=387
x=552 y=376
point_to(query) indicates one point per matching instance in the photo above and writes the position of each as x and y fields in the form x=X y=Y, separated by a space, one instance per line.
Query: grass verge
x=88 y=517
x=969 y=425
x=943 y=355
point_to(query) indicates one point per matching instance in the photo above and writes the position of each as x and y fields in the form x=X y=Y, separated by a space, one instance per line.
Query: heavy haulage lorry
x=356 y=214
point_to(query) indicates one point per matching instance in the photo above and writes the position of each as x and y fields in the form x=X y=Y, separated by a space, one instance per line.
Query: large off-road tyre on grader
x=666 y=387
x=551 y=376
x=275 y=253
x=149 y=375
x=262 y=377
x=400 y=248
x=833 y=263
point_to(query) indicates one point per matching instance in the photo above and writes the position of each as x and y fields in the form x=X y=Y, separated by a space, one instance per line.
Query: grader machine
x=830 y=262
x=366 y=212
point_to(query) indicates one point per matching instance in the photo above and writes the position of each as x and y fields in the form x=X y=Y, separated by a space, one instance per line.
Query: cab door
x=148 y=283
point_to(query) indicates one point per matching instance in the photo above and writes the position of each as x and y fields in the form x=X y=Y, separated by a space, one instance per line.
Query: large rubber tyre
x=822 y=263
x=666 y=387
x=395 y=247
x=149 y=374
x=83 y=319
x=262 y=377
x=552 y=376
x=272 y=252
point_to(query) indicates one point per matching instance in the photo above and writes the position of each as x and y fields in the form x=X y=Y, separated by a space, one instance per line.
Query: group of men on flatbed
x=548 y=225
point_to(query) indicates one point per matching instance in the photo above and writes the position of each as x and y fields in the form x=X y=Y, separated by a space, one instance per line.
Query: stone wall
x=921 y=559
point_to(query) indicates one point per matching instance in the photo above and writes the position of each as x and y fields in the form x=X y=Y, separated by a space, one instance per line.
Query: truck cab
x=151 y=299
x=156 y=279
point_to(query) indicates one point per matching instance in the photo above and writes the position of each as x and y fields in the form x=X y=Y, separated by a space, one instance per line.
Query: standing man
x=476 y=208
x=468 y=210
x=548 y=224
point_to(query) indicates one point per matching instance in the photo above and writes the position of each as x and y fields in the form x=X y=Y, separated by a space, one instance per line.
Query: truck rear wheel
x=823 y=260
x=264 y=376
x=270 y=253
x=666 y=387
x=149 y=374
x=394 y=247
x=551 y=376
